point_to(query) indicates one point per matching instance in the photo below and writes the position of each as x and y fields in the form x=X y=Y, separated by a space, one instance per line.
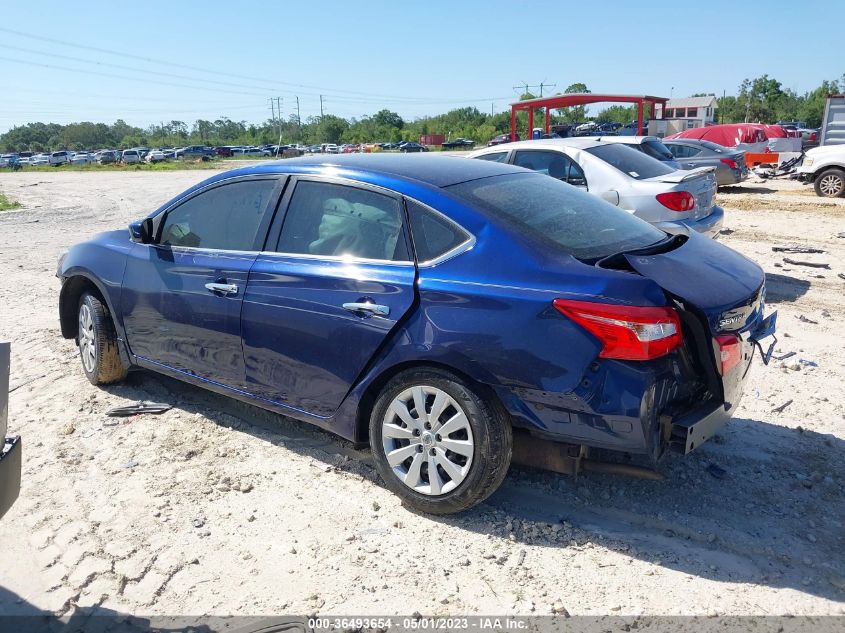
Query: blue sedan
x=433 y=307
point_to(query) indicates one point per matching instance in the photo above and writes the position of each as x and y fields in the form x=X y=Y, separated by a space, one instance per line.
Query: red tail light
x=677 y=200
x=729 y=352
x=813 y=136
x=729 y=162
x=626 y=332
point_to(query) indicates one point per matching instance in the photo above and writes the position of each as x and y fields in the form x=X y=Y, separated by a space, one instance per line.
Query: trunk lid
x=725 y=287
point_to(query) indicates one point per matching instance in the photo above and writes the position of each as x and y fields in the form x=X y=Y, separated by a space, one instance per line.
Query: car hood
x=826 y=150
x=716 y=280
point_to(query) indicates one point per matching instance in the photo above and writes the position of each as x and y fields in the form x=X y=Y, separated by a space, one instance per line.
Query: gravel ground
x=217 y=507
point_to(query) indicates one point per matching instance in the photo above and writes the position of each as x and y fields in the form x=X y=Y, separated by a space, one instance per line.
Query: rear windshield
x=558 y=215
x=630 y=161
x=713 y=146
x=657 y=150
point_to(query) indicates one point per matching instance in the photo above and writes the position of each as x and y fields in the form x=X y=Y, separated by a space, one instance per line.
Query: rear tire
x=97 y=341
x=477 y=428
x=830 y=183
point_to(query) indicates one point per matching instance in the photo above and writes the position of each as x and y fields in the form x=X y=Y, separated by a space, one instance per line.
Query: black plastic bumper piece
x=10 y=473
x=697 y=427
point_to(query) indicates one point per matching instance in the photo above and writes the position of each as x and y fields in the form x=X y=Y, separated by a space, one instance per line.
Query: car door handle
x=372 y=308
x=226 y=289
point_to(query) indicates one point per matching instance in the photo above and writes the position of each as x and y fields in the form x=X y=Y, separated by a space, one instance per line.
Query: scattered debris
x=796 y=262
x=782 y=407
x=717 y=471
x=726 y=231
x=521 y=558
x=784 y=356
x=841 y=276
x=796 y=249
x=806 y=320
x=198 y=523
x=808 y=363
x=138 y=408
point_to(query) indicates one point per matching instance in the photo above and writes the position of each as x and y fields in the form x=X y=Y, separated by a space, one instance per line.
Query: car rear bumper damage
x=10 y=473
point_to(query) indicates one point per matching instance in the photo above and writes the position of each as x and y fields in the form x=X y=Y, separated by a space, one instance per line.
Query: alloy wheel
x=427 y=440
x=87 y=340
x=831 y=185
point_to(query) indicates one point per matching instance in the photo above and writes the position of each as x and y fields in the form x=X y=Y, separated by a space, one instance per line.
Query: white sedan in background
x=39 y=159
x=623 y=176
x=81 y=158
x=130 y=156
x=155 y=156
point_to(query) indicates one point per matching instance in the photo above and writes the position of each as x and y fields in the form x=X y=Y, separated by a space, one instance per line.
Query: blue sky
x=187 y=60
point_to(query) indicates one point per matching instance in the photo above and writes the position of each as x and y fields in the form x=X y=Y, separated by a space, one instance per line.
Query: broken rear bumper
x=10 y=473
x=695 y=428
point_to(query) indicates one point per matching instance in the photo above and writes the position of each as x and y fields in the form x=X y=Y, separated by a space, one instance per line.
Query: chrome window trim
x=460 y=249
x=339 y=259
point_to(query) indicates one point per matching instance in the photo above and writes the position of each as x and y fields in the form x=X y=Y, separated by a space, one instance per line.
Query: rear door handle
x=372 y=308
x=226 y=289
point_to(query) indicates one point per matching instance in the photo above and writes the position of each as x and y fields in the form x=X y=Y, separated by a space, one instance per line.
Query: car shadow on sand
x=783 y=288
x=741 y=189
x=761 y=503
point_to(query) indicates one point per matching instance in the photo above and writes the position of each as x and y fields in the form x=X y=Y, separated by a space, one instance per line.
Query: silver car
x=729 y=162
x=626 y=177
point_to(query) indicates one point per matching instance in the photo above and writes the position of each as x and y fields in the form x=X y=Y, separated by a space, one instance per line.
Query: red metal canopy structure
x=582 y=98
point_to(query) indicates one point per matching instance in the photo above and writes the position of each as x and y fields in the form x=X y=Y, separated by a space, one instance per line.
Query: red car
x=225 y=152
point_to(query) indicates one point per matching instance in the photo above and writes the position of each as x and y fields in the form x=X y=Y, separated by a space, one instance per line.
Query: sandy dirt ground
x=217 y=507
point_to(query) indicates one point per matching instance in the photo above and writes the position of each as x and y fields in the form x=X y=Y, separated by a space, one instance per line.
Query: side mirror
x=141 y=231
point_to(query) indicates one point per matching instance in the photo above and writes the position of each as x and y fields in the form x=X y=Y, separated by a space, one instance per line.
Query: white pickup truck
x=825 y=168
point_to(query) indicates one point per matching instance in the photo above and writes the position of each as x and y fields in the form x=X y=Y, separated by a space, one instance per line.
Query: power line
x=334 y=93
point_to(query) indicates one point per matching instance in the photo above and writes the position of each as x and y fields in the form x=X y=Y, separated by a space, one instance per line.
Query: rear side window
x=555 y=164
x=433 y=235
x=630 y=161
x=226 y=217
x=562 y=218
x=337 y=220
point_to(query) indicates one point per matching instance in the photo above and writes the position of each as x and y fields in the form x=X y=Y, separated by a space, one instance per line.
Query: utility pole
x=547 y=85
x=526 y=87
x=321 y=106
x=298 y=118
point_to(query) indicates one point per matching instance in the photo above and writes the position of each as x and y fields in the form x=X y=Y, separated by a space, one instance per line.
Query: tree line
x=763 y=99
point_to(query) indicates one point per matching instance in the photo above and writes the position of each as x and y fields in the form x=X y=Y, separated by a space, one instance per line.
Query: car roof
x=437 y=171
x=627 y=140
x=579 y=142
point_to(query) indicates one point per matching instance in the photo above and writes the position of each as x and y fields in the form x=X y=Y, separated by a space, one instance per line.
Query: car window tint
x=433 y=234
x=555 y=164
x=549 y=213
x=498 y=157
x=630 y=161
x=226 y=217
x=657 y=150
x=337 y=220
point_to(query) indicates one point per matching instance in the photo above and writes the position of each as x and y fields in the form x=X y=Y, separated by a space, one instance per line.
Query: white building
x=697 y=111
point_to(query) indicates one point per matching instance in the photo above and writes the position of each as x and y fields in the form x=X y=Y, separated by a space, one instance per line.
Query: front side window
x=338 y=220
x=226 y=217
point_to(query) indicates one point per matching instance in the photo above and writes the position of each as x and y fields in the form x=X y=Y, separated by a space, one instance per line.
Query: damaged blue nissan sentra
x=433 y=307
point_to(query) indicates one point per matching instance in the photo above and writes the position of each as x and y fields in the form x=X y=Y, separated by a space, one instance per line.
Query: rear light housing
x=679 y=201
x=626 y=332
x=730 y=162
x=728 y=352
x=813 y=136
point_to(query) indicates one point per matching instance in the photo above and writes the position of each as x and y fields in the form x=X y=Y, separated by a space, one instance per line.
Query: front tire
x=97 y=341
x=830 y=183
x=437 y=443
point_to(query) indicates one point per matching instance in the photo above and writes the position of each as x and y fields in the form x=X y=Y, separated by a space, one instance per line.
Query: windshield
x=630 y=161
x=558 y=215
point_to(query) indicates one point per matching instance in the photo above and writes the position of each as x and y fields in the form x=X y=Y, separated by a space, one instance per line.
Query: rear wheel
x=830 y=183
x=437 y=443
x=97 y=342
